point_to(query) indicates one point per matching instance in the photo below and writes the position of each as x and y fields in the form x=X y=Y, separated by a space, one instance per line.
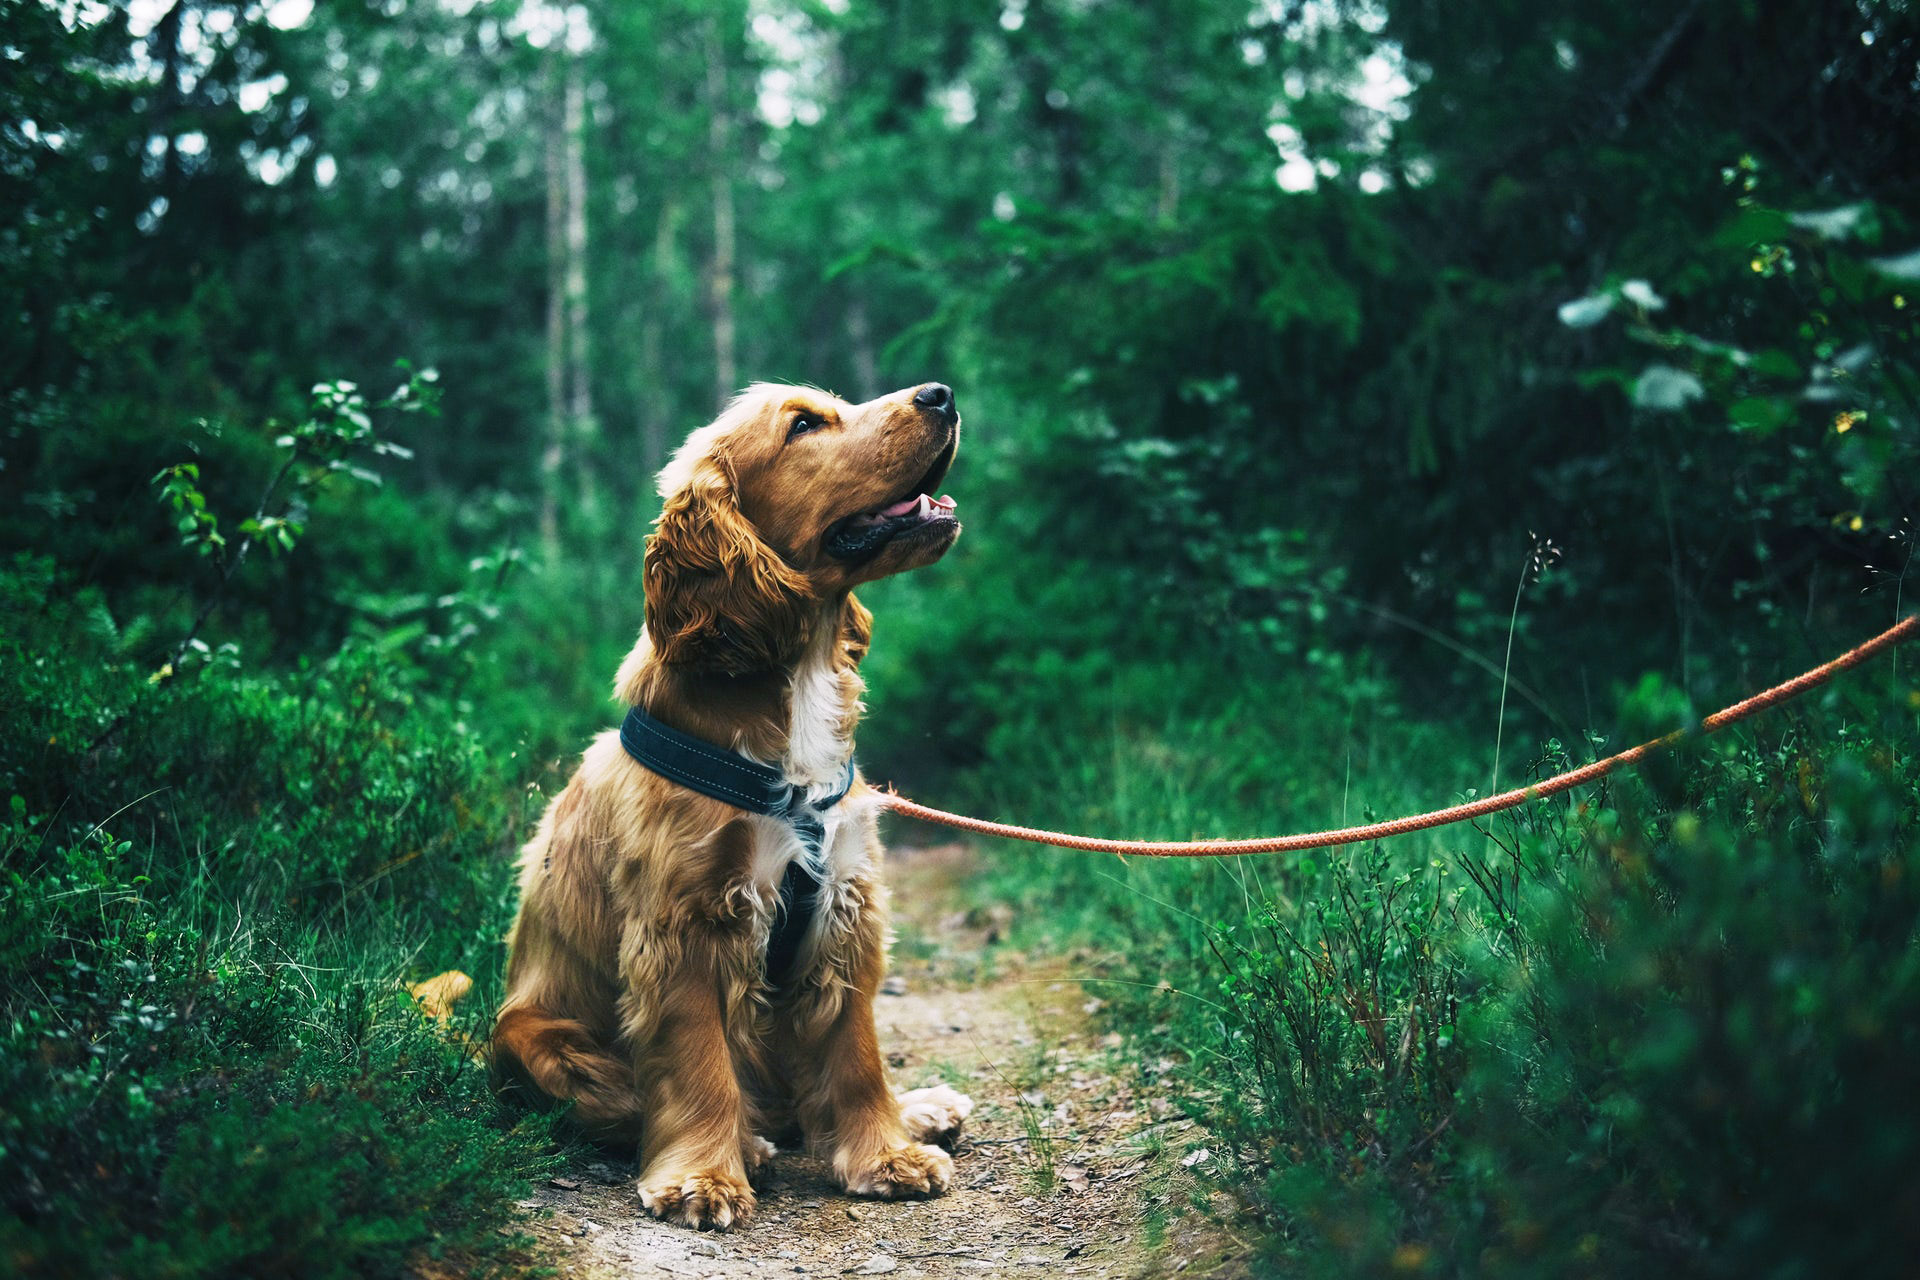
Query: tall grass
x=209 y=1065
x=1657 y=1027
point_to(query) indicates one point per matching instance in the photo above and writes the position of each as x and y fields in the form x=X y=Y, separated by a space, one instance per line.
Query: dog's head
x=790 y=498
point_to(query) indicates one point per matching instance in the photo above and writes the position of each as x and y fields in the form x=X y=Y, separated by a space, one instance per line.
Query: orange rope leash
x=1900 y=632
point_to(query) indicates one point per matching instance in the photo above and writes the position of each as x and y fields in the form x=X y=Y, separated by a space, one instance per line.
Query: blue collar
x=747 y=784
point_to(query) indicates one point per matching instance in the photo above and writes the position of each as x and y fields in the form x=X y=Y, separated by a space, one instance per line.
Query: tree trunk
x=582 y=427
x=720 y=163
x=554 y=455
x=866 y=367
x=656 y=404
x=1168 y=204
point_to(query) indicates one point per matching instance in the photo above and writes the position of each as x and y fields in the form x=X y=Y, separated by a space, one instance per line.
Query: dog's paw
x=715 y=1201
x=758 y=1155
x=913 y=1169
x=935 y=1114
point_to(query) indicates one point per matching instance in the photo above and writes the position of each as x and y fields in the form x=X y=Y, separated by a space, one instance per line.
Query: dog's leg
x=698 y=1133
x=840 y=1083
x=561 y=1060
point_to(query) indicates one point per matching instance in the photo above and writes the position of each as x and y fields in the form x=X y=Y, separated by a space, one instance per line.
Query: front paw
x=935 y=1114
x=701 y=1200
x=912 y=1169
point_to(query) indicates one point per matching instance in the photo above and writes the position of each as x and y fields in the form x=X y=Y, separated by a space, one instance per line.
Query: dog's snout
x=938 y=397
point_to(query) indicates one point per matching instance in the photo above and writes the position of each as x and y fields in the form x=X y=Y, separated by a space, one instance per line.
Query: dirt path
x=1066 y=1166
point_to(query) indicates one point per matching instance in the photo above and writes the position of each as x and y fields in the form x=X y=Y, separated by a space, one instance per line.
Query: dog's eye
x=803 y=423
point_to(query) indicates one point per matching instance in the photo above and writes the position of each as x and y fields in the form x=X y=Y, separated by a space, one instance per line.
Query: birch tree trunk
x=554 y=455
x=866 y=366
x=656 y=400
x=720 y=161
x=581 y=424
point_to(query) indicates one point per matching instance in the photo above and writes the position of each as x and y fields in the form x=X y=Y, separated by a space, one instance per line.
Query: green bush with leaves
x=1664 y=1026
x=210 y=890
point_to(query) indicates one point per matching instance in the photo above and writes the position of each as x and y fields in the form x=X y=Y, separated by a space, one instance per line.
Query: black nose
x=937 y=396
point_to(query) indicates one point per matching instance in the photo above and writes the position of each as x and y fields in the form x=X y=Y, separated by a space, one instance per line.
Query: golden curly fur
x=635 y=975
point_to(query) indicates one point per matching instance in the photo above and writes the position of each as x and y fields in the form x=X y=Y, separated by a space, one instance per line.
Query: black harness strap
x=746 y=784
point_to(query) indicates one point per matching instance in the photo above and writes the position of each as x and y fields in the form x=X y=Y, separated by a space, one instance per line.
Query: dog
x=702 y=928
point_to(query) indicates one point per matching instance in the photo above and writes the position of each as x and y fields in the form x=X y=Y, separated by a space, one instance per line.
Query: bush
x=1665 y=1025
x=209 y=889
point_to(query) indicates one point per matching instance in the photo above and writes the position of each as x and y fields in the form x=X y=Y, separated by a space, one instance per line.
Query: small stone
x=878 y=1265
x=853 y=1214
x=894 y=986
x=707 y=1249
x=565 y=1184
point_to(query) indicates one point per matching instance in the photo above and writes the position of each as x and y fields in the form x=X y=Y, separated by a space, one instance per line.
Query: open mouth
x=861 y=536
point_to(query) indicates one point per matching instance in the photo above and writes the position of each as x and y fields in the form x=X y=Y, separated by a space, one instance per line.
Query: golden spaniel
x=637 y=975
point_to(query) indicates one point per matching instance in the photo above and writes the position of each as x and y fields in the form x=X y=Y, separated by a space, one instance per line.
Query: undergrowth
x=210 y=889
x=1665 y=1026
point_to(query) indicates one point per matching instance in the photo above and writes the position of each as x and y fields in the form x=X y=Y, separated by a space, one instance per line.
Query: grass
x=1665 y=1026
x=209 y=1064
x=1624 y=1032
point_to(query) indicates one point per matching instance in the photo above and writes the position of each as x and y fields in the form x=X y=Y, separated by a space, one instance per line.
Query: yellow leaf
x=438 y=994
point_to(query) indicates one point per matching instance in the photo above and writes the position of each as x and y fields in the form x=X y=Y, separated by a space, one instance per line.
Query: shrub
x=209 y=889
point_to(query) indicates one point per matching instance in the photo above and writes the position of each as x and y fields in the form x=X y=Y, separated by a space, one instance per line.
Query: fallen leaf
x=437 y=995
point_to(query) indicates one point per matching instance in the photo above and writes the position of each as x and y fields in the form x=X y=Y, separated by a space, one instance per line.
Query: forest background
x=1366 y=403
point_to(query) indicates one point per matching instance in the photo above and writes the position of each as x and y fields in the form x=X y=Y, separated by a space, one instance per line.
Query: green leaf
x=1641 y=295
x=1904 y=266
x=1584 y=313
x=1760 y=415
x=1849 y=221
x=1664 y=388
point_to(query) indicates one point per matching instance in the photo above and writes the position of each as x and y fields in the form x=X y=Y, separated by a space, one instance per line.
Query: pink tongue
x=901 y=507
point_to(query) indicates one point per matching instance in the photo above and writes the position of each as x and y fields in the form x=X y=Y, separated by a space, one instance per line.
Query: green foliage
x=210 y=1067
x=1663 y=1027
x=1277 y=329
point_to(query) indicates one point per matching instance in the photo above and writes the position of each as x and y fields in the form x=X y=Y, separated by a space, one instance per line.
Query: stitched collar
x=747 y=784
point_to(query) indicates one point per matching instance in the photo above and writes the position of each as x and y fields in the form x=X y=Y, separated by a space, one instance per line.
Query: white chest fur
x=844 y=850
x=820 y=719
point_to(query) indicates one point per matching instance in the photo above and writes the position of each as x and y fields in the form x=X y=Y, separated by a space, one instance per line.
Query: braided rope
x=1904 y=630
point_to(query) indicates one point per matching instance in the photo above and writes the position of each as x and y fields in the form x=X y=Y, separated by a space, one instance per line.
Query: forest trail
x=1068 y=1166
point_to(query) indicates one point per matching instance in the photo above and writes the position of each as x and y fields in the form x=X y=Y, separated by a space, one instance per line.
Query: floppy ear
x=717 y=596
